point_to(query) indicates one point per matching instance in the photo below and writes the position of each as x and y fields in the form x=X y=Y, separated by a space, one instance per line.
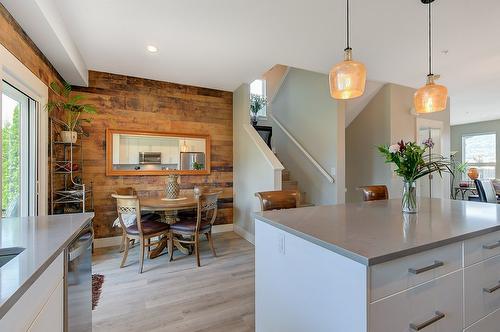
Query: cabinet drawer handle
x=417 y=327
x=492 y=289
x=427 y=268
x=491 y=246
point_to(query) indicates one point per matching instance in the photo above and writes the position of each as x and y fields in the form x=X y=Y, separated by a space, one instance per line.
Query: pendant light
x=348 y=78
x=431 y=97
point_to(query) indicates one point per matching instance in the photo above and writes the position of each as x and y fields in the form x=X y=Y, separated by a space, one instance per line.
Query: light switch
x=333 y=171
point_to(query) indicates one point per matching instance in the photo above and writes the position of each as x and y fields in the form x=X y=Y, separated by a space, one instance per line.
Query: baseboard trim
x=104 y=242
x=114 y=241
x=223 y=228
x=244 y=234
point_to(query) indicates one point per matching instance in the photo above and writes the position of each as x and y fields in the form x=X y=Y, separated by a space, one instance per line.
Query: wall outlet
x=281 y=243
x=333 y=171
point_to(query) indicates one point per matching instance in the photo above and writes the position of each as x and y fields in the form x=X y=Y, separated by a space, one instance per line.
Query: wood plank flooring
x=177 y=296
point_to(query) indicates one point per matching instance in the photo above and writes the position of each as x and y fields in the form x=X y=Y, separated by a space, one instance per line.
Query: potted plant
x=256 y=104
x=412 y=163
x=73 y=108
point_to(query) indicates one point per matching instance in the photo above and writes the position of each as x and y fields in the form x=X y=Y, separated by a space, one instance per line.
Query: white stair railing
x=303 y=150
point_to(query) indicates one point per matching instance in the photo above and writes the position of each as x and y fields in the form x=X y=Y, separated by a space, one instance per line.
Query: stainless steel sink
x=6 y=254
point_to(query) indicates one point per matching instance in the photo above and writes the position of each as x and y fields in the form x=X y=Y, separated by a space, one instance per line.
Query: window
x=258 y=87
x=18 y=153
x=480 y=151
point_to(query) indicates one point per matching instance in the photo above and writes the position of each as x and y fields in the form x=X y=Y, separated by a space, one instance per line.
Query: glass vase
x=409 y=200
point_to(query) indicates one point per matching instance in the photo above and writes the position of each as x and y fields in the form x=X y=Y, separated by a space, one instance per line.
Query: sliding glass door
x=19 y=148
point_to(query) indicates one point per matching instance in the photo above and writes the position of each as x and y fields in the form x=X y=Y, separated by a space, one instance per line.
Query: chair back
x=125 y=191
x=278 y=200
x=374 y=193
x=486 y=191
x=207 y=208
x=127 y=206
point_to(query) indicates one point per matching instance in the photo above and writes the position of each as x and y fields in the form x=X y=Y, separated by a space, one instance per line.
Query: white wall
x=255 y=168
x=303 y=105
x=385 y=120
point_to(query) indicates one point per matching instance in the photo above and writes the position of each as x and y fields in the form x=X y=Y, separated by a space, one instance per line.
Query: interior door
x=431 y=185
x=19 y=153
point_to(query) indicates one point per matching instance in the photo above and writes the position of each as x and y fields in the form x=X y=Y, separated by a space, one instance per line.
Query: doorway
x=433 y=131
x=19 y=153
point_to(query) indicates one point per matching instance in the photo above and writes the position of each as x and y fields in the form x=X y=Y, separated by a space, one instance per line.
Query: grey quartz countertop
x=43 y=238
x=376 y=232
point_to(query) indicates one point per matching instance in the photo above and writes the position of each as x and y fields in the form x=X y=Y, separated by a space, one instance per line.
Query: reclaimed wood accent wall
x=125 y=102
x=18 y=43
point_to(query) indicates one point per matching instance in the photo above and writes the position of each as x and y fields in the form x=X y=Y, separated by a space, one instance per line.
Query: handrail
x=263 y=148
x=303 y=150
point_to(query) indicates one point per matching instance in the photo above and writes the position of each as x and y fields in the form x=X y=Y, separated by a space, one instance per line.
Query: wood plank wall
x=125 y=102
x=17 y=42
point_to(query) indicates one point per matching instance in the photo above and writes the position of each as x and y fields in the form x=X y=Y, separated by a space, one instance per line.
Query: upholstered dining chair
x=130 y=191
x=278 y=200
x=136 y=227
x=190 y=230
x=486 y=191
x=374 y=193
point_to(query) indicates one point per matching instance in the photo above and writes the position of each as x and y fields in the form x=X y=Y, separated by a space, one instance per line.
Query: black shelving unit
x=68 y=191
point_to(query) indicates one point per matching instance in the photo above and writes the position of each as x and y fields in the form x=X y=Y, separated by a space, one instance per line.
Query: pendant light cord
x=430 y=41
x=348 y=30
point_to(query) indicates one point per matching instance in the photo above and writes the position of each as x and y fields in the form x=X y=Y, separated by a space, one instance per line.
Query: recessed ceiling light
x=152 y=49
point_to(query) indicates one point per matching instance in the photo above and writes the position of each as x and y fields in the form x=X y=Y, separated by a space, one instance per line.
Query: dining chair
x=142 y=230
x=486 y=191
x=374 y=193
x=278 y=200
x=130 y=191
x=189 y=231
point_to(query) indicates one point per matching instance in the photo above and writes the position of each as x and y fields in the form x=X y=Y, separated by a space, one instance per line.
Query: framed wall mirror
x=131 y=152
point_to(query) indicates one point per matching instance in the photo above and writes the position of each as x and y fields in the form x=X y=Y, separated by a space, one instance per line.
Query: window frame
x=485 y=164
x=17 y=74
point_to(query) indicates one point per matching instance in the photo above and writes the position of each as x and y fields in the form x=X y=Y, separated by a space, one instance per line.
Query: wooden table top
x=159 y=204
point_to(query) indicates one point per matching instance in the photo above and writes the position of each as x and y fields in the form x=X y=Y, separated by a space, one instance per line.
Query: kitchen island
x=32 y=287
x=369 y=267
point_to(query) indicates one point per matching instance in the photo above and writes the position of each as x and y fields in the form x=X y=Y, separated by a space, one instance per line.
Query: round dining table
x=169 y=207
x=162 y=204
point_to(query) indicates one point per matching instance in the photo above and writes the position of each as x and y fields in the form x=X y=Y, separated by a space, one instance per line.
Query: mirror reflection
x=140 y=152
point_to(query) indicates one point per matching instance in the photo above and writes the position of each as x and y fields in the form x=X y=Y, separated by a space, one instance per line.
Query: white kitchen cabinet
x=302 y=286
x=481 y=248
x=487 y=324
x=51 y=318
x=482 y=289
x=40 y=305
x=394 y=276
x=437 y=303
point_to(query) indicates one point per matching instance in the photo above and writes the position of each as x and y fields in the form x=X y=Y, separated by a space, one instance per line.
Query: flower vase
x=409 y=200
x=172 y=189
x=254 y=120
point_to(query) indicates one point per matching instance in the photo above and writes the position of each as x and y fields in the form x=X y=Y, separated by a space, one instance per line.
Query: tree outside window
x=258 y=87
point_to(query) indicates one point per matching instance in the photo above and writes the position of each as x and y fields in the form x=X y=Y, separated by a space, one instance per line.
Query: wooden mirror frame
x=109 y=154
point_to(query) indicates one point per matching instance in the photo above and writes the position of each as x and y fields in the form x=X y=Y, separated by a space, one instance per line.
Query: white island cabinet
x=34 y=290
x=41 y=307
x=369 y=268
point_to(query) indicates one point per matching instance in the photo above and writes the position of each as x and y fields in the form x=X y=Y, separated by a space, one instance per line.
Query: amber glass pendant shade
x=348 y=78
x=430 y=98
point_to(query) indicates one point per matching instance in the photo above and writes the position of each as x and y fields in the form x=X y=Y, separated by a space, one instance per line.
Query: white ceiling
x=223 y=43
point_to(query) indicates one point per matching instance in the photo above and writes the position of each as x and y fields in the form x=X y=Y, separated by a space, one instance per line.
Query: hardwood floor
x=177 y=296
